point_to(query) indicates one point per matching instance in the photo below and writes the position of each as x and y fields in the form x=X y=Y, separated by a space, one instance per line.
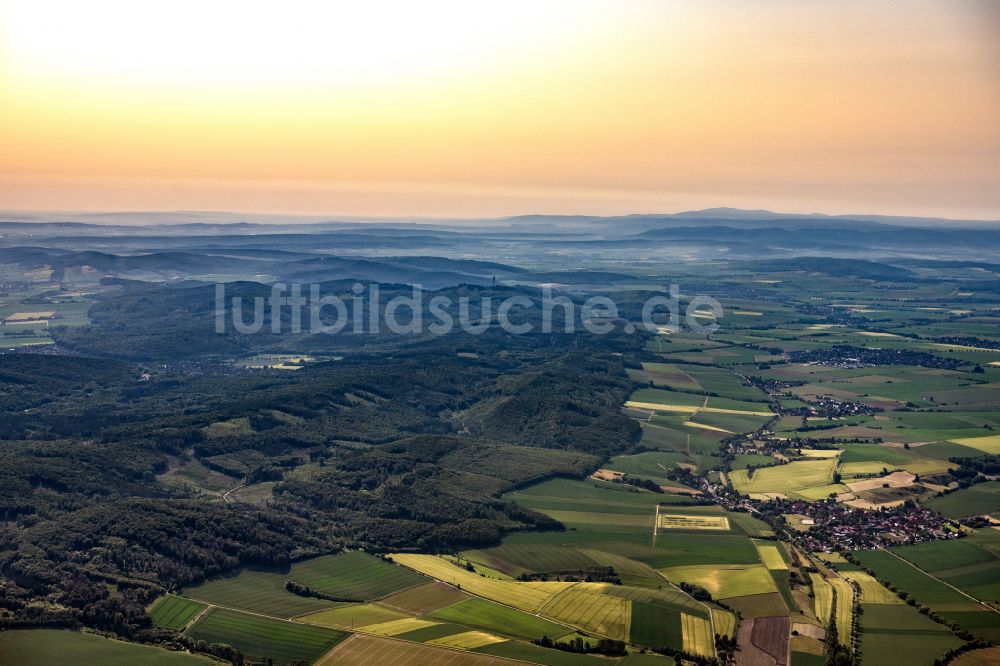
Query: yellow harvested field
x=522 y=595
x=875 y=334
x=394 y=627
x=725 y=622
x=353 y=615
x=30 y=316
x=796 y=475
x=872 y=592
x=746 y=313
x=469 y=640
x=724 y=580
x=821 y=453
x=989 y=444
x=770 y=555
x=895 y=480
x=585 y=606
x=690 y=409
x=824 y=598
x=676 y=521
x=697 y=635
x=692 y=424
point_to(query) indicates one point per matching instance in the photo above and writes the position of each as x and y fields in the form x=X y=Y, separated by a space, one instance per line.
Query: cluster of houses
x=836 y=527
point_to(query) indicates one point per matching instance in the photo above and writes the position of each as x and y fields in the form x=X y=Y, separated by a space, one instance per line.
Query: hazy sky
x=474 y=108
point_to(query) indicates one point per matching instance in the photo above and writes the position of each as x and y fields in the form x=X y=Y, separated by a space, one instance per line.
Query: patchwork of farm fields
x=261 y=637
x=951 y=604
x=350 y=575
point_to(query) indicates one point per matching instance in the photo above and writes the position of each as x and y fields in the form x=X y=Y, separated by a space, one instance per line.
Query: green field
x=725 y=581
x=532 y=654
x=528 y=596
x=55 y=647
x=790 y=479
x=823 y=589
x=656 y=625
x=263 y=638
x=897 y=633
x=514 y=559
x=352 y=616
x=353 y=575
x=174 y=612
x=258 y=591
x=586 y=606
x=926 y=589
x=976 y=500
x=350 y=575
x=499 y=619
x=424 y=598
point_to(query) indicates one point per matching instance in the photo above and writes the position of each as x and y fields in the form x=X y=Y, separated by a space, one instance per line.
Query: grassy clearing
x=525 y=596
x=51 y=647
x=174 y=612
x=262 y=638
x=500 y=619
x=725 y=581
x=585 y=606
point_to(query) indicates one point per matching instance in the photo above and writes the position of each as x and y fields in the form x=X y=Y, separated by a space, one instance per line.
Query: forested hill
x=112 y=469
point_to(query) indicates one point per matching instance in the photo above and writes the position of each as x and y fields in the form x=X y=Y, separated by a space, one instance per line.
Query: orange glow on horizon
x=454 y=108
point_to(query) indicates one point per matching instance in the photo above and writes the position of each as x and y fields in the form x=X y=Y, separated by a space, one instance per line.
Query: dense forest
x=402 y=445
